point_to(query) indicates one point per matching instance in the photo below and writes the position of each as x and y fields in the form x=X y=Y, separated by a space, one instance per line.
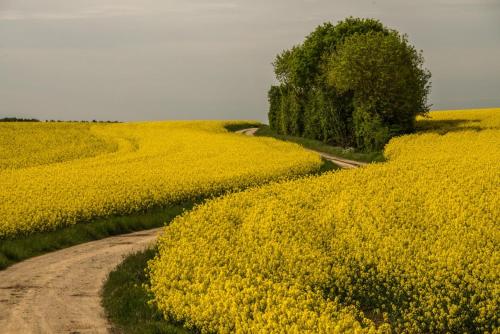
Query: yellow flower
x=57 y=174
x=410 y=245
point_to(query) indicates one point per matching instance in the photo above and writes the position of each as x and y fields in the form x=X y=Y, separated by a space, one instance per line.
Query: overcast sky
x=211 y=59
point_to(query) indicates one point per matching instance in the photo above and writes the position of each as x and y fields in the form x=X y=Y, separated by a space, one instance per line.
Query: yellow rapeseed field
x=32 y=144
x=55 y=174
x=411 y=245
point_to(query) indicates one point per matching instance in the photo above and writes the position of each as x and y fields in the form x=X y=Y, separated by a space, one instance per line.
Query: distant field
x=25 y=145
x=58 y=174
x=409 y=245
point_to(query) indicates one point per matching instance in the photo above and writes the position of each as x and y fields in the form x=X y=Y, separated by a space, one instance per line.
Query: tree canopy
x=356 y=83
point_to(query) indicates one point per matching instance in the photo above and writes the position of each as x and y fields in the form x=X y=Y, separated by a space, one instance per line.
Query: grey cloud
x=185 y=59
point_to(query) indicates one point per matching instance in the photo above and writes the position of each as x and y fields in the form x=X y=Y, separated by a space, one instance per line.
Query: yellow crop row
x=89 y=171
x=411 y=245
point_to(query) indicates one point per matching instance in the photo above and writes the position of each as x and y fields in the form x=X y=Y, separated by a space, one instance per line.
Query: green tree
x=315 y=98
x=385 y=74
x=307 y=106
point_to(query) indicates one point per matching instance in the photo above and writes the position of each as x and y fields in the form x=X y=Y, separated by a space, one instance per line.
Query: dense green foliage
x=356 y=83
x=388 y=83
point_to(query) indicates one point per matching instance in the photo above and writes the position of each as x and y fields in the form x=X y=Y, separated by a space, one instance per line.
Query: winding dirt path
x=59 y=292
x=341 y=162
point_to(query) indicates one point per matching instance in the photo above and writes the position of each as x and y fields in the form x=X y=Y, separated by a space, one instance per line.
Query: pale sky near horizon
x=211 y=59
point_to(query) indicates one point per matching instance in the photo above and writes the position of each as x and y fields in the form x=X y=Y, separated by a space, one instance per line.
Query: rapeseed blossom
x=411 y=245
x=27 y=144
x=56 y=174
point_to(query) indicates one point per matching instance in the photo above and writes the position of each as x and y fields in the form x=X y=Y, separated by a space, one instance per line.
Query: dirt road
x=341 y=162
x=60 y=292
x=248 y=132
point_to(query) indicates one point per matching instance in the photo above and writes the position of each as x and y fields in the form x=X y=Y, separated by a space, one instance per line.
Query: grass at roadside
x=327 y=166
x=241 y=126
x=317 y=145
x=21 y=248
x=126 y=301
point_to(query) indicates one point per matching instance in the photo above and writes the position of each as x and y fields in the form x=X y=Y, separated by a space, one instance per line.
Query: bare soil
x=60 y=292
